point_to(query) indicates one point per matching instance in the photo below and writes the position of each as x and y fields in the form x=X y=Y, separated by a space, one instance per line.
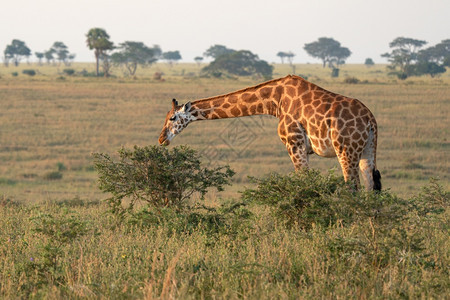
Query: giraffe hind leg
x=371 y=176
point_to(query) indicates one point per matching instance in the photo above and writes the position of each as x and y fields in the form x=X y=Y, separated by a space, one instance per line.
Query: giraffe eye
x=173 y=118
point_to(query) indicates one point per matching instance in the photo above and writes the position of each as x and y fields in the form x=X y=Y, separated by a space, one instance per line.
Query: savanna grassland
x=51 y=123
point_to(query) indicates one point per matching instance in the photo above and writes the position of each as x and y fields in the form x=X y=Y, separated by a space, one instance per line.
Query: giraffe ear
x=174 y=103
x=187 y=106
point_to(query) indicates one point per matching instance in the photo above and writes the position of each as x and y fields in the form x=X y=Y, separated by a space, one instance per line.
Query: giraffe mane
x=243 y=90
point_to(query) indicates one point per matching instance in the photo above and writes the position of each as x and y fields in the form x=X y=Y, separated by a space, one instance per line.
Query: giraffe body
x=311 y=120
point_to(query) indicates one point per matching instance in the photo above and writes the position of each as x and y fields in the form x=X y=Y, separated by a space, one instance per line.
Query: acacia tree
x=282 y=55
x=171 y=56
x=328 y=50
x=290 y=57
x=16 y=51
x=217 y=50
x=369 y=62
x=403 y=55
x=433 y=60
x=62 y=53
x=439 y=54
x=198 y=60
x=39 y=56
x=49 y=56
x=241 y=63
x=133 y=53
x=98 y=40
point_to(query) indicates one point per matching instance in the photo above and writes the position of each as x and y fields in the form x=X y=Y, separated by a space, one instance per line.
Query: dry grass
x=260 y=260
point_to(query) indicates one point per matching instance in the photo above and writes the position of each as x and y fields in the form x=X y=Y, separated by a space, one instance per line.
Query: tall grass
x=74 y=249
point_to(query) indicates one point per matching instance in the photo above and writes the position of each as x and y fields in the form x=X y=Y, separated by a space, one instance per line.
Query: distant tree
x=171 y=56
x=427 y=68
x=241 y=63
x=369 y=62
x=61 y=51
x=98 y=40
x=49 y=56
x=39 y=56
x=132 y=54
x=339 y=57
x=217 y=50
x=282 y=55
x=437 y=54
x=446 y=62
x=16 y=51
x=71 y=58
x=106 y=63
x=198 y=60
x=290 y=57
x=328 y=50
x=403 y=55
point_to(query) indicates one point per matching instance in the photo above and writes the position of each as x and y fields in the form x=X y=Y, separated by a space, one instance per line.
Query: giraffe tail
x=376 y=175
x=367 y=164
x=376 y=179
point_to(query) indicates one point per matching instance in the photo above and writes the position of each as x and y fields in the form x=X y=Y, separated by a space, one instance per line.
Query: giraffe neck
x=262 y=99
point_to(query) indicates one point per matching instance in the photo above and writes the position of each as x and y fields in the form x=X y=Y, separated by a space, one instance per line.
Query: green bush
x=69 y=72
x=432 y=200
x=15 y=74
x=299 y=197
x=306 y=197
x=156 y=176
x=29 y=72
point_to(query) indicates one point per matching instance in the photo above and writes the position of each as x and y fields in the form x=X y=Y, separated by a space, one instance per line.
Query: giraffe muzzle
x=164 y=141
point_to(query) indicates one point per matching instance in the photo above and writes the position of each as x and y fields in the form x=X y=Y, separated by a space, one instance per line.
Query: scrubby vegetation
x=157 y=176
x=301 y=235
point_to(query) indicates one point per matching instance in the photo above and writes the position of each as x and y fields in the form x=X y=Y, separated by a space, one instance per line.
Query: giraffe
x=311 y=120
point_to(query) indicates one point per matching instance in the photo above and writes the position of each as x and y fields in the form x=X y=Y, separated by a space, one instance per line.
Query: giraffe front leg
x=298 y=154
x=294 y=138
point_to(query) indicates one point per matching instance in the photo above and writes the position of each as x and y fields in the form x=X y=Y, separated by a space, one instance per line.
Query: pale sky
x=264 y=27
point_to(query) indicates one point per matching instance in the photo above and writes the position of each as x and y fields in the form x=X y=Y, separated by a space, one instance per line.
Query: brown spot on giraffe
x=249 y=98
x=235 y=111
x=265 y=92
x=221 y=113
x=311 y=120
x=226 y=105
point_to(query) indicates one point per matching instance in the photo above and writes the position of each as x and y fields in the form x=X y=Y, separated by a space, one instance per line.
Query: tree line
x=407 y=57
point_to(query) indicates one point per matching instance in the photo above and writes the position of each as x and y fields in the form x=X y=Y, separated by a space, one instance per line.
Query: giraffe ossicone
x=311 y=120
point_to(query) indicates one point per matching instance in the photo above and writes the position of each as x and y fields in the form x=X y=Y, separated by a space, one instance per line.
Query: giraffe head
x=177 y=119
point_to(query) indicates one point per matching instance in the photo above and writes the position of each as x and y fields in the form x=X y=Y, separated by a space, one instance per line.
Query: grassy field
x=52 y=122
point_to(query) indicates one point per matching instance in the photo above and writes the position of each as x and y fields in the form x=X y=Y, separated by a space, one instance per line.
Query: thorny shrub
x=156 y=176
